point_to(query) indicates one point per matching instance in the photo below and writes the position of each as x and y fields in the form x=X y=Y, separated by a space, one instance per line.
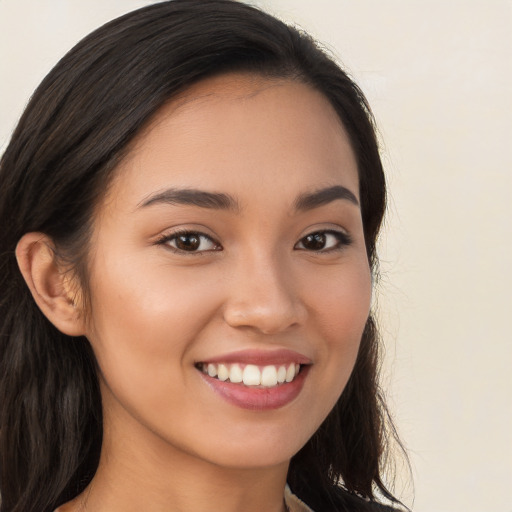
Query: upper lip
x=260 y=357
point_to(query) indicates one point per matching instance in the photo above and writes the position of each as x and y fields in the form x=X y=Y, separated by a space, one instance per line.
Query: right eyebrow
x=192 y=197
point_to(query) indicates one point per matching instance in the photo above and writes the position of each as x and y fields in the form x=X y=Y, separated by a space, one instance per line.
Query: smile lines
x=251 y=375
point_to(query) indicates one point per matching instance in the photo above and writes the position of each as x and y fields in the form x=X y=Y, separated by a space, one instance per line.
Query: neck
x=144 y=472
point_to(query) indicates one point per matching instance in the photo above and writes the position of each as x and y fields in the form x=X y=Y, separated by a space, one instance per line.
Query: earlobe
x=49 y=283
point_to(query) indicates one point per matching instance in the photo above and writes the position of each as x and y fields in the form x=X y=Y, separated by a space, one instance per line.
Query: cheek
x=148 y=302
x=342 y=306
x=148 y=322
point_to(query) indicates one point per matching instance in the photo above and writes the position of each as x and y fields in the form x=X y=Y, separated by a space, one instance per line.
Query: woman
x=190 y=205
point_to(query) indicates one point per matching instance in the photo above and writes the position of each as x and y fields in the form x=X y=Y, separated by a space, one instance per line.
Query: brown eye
x=314 y=242
x=323 y=241
x=190 y=241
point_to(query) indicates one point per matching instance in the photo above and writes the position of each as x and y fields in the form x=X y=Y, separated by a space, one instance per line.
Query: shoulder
x=342 y=501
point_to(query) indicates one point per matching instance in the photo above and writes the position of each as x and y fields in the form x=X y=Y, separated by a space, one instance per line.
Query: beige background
x=439 y=77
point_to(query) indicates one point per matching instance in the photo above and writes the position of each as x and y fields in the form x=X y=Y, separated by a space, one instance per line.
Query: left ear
x=50 y=285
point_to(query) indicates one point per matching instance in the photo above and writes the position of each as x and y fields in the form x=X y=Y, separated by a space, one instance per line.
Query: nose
x=264 y=297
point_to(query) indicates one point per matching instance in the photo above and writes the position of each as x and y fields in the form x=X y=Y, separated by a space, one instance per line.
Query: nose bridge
x=262 y=294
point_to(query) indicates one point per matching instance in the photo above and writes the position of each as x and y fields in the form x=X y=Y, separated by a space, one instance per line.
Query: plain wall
x=438 y=75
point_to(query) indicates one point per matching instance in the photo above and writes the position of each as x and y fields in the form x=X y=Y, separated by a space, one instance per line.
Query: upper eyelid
x=327 y=230
x=174 y=232
x=333 y=226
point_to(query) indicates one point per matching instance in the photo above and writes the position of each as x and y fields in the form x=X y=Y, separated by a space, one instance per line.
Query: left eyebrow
x=310 y=200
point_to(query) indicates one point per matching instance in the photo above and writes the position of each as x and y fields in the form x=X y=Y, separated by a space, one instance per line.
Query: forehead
x=241 y=132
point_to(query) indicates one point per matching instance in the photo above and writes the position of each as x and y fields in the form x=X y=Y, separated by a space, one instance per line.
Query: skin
x=168 y=438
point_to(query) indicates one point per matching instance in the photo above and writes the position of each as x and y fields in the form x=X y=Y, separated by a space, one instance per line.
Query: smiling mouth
x=251 y=375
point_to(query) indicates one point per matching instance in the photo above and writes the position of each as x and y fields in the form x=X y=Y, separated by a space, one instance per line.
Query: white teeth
x=235 y=373
x=290 y=373
x=269 y=376
x=212 y=370
x=252 y=375
x=223 y=372
x=281 y=374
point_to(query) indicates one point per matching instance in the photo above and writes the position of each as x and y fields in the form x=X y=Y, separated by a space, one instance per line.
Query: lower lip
x=255 y=398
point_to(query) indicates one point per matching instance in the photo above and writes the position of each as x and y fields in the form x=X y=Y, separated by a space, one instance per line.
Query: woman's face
x=230 y=247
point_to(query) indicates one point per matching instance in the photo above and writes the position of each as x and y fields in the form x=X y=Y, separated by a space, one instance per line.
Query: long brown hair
x=75 y=129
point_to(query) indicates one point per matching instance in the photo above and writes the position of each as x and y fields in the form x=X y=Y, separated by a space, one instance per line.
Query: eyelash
x=342 y=240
